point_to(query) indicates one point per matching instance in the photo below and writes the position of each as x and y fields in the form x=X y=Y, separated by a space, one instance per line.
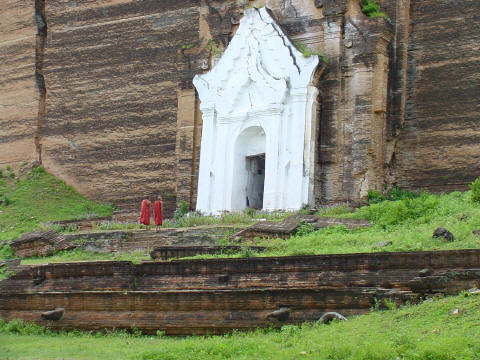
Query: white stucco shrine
x=258 y=108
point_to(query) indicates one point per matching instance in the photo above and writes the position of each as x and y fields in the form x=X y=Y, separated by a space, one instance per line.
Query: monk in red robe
x=145 y=213
x=157 y=213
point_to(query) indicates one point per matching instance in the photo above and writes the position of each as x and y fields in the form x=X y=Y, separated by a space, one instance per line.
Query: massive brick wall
x=18 y=92
x=437 y=146
x=112 y=72
x=116 y=71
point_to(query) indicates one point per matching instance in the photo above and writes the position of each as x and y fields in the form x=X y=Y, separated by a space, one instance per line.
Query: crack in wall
x=41 y=39
x=283 y=39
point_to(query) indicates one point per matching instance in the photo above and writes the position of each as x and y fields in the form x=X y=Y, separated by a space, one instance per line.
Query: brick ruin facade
x=101 y=92
x=209 y=296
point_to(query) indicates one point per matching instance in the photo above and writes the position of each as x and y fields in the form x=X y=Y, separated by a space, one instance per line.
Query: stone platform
x=46 y=243
x=219 y=295
x=288 y=227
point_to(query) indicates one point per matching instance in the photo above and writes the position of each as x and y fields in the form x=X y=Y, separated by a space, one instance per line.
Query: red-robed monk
x=157 y=213
x=145 y=213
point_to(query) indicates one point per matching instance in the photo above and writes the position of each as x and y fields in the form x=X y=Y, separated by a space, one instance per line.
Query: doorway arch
x=249 y=169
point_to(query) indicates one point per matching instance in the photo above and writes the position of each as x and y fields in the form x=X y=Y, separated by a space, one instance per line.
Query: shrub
x=475 y=187
x=17 y=326
x=371 y=8
x=394 y=194
x=400 y=211
x=375 y=196
x=250 y=212
x=6 y=252
x=181 y=211
x=305 y=229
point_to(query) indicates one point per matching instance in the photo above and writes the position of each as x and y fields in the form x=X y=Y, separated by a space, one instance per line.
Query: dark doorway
x=255 y=180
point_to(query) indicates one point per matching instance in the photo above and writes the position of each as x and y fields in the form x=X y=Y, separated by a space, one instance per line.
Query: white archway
x=259 y=92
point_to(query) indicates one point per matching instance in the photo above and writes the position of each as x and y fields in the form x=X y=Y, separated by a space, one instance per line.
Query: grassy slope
x=40 y=197
x=426 y=331
x=408 y=223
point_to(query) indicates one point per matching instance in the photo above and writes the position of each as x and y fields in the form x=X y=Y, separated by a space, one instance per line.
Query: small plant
x=182 y=210
x=247 y=252
x=475 y=188
x=371 y=8
x=136 y=332
x=250 y=212
x=215 y=47
x=375 y=197
x=305 y=229
x=17 y=326
x=71 y=228
x=394 y=194
x=187 y=46
x=306 y=52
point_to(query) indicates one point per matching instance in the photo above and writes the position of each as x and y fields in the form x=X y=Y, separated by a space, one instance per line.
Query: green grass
x=195 y=219
x=426 y=331
x=408 y=223
x=40 y=197
x=80 y=255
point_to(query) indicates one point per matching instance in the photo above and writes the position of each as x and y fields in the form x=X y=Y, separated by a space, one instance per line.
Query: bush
x=371 y=8
x=375 y=197
x=304 y=229
x=250 y=212
x=400 y=211
x=6 y=252
x=17 y=326
x=475 y=187
x=394 y=194
x=182 y=210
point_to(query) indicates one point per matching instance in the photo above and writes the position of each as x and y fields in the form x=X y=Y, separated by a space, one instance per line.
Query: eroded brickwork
x=120 y=120
x=18 y=92
x=218 y=295
x=112 y=76
x=436 y=144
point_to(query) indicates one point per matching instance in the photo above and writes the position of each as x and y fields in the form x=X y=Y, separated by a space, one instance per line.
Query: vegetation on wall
x=371 y=8
x=306 y=52
x=215 y=48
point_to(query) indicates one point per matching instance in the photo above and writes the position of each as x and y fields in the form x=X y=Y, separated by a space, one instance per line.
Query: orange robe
x=157 y=212
x=145 y=213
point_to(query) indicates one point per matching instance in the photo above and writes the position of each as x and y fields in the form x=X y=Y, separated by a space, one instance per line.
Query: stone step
x=175 y=252
x=217 y=295
x=187 y=312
